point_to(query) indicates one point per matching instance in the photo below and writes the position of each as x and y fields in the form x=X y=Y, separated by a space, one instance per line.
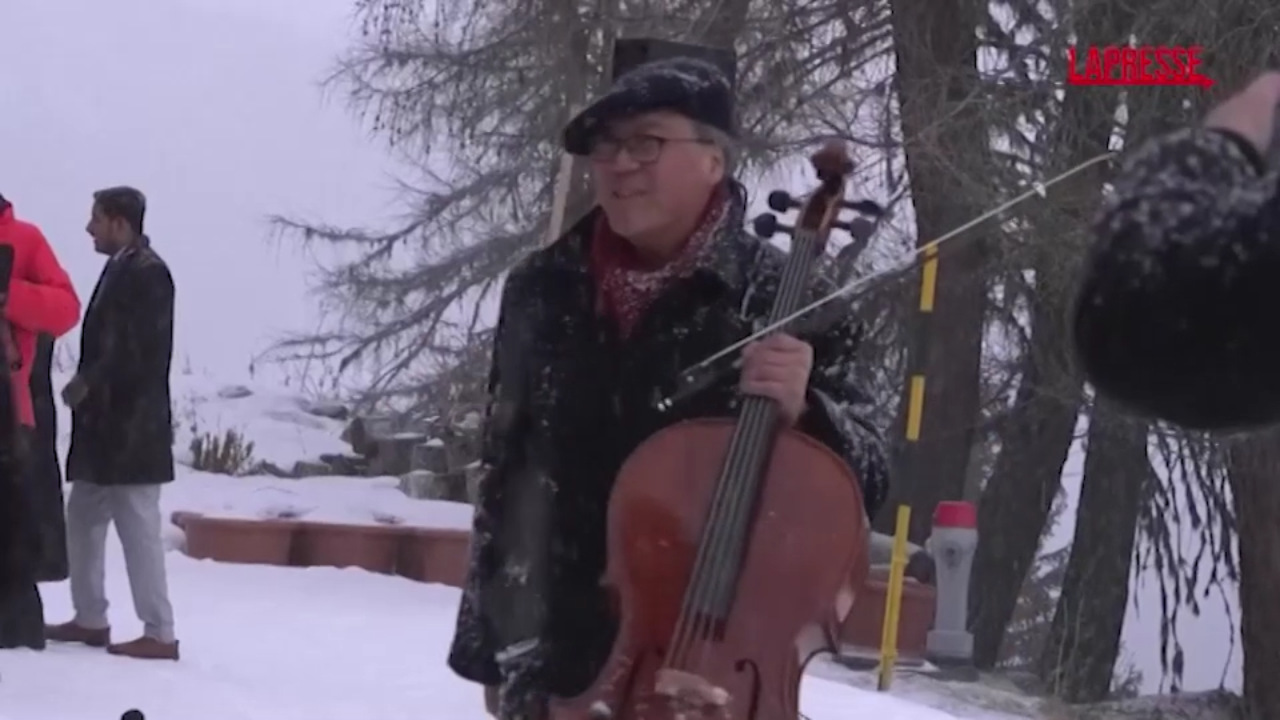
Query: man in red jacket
x=41 y=301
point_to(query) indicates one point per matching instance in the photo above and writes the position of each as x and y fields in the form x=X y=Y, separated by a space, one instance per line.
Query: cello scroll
x=820 y=212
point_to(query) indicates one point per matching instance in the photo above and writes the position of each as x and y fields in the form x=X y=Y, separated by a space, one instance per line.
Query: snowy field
x=261 y=643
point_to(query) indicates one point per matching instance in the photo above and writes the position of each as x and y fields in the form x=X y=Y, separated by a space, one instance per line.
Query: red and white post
x=952 y=545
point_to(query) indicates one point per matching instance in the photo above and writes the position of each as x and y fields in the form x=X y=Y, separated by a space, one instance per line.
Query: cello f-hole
x=743 y=666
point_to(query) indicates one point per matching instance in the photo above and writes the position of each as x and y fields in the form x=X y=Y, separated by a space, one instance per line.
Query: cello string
x=729 y=537
x=729 y=553
x=709 y=588
x=697 y=613
x=746 y=474
x=723 y=544
x=688 y=622
x=721 y=518
x=720 y=513
x=790 y=294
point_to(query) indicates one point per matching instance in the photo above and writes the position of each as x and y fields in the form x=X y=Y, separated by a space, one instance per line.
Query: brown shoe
x=70 y=632
x=145 y=648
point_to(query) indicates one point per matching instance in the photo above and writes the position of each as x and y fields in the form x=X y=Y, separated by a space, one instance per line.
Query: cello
x=731 y=542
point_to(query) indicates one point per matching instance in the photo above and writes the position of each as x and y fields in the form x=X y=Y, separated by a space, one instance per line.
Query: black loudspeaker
x=630 y=53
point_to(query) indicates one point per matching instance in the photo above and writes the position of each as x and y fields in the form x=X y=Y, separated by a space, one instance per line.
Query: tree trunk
x=1078 y=660
x=586 y=76
x=1254 y=471
x=936 y=47
x=1016 y=502
x=1040 y=428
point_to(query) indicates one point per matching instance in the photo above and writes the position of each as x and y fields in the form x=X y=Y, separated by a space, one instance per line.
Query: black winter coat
x=1176 y=313
x=16 y=528
x=33 y=489
x=44 y=472
x=570 y=401
x=21 y=611
x=122 y=431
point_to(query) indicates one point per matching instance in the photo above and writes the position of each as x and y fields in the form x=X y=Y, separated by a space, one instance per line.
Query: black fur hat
x=694 y=88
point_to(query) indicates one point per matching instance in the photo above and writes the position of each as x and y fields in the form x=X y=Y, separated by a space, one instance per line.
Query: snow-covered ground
x=262 y=643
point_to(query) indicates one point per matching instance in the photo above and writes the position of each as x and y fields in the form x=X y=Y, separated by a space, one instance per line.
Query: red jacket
x=41 y=300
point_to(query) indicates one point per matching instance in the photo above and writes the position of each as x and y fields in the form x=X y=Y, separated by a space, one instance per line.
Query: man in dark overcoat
x=592 y=331
x=121 y=433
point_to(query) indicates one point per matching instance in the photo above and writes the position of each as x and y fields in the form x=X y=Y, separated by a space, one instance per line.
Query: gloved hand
x=75 y=391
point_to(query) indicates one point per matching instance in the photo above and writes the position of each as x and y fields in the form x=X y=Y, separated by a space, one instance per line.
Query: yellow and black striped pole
x=918 y=350
x=893 y=601
x=917 y=361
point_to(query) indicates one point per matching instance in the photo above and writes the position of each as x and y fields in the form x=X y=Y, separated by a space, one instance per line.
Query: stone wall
x=437 y=474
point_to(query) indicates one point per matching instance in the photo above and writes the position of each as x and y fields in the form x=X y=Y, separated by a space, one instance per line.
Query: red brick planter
x=435 y=556
x=431 y=555
x=179 y=518
x=256 y=542
x=369 y=547
x=865 y=624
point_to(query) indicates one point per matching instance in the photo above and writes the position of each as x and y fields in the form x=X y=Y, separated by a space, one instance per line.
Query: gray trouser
x=135 y=509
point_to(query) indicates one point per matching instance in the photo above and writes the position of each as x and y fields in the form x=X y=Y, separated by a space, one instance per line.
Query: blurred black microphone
x=1195 y=348
x=133 y=715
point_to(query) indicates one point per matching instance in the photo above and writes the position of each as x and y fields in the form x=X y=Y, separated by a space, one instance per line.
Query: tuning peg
x=858 y=228
x=767 y=225
x=865 y=207
x=781 y=201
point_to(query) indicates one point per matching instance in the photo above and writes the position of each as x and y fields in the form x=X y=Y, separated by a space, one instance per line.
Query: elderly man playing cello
x=592 y=330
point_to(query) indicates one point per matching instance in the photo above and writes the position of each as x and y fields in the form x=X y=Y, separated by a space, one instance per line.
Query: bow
x=700 y=375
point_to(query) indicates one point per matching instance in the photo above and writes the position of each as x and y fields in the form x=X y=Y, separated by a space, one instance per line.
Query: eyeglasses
x=643 y=149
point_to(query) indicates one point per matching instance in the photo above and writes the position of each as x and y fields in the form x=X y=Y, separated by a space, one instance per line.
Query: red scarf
x=626 y=286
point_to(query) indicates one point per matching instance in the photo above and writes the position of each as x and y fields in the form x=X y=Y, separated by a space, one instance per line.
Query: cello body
x=807 y=546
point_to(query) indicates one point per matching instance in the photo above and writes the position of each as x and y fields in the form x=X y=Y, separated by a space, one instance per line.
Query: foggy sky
x=213 y=110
